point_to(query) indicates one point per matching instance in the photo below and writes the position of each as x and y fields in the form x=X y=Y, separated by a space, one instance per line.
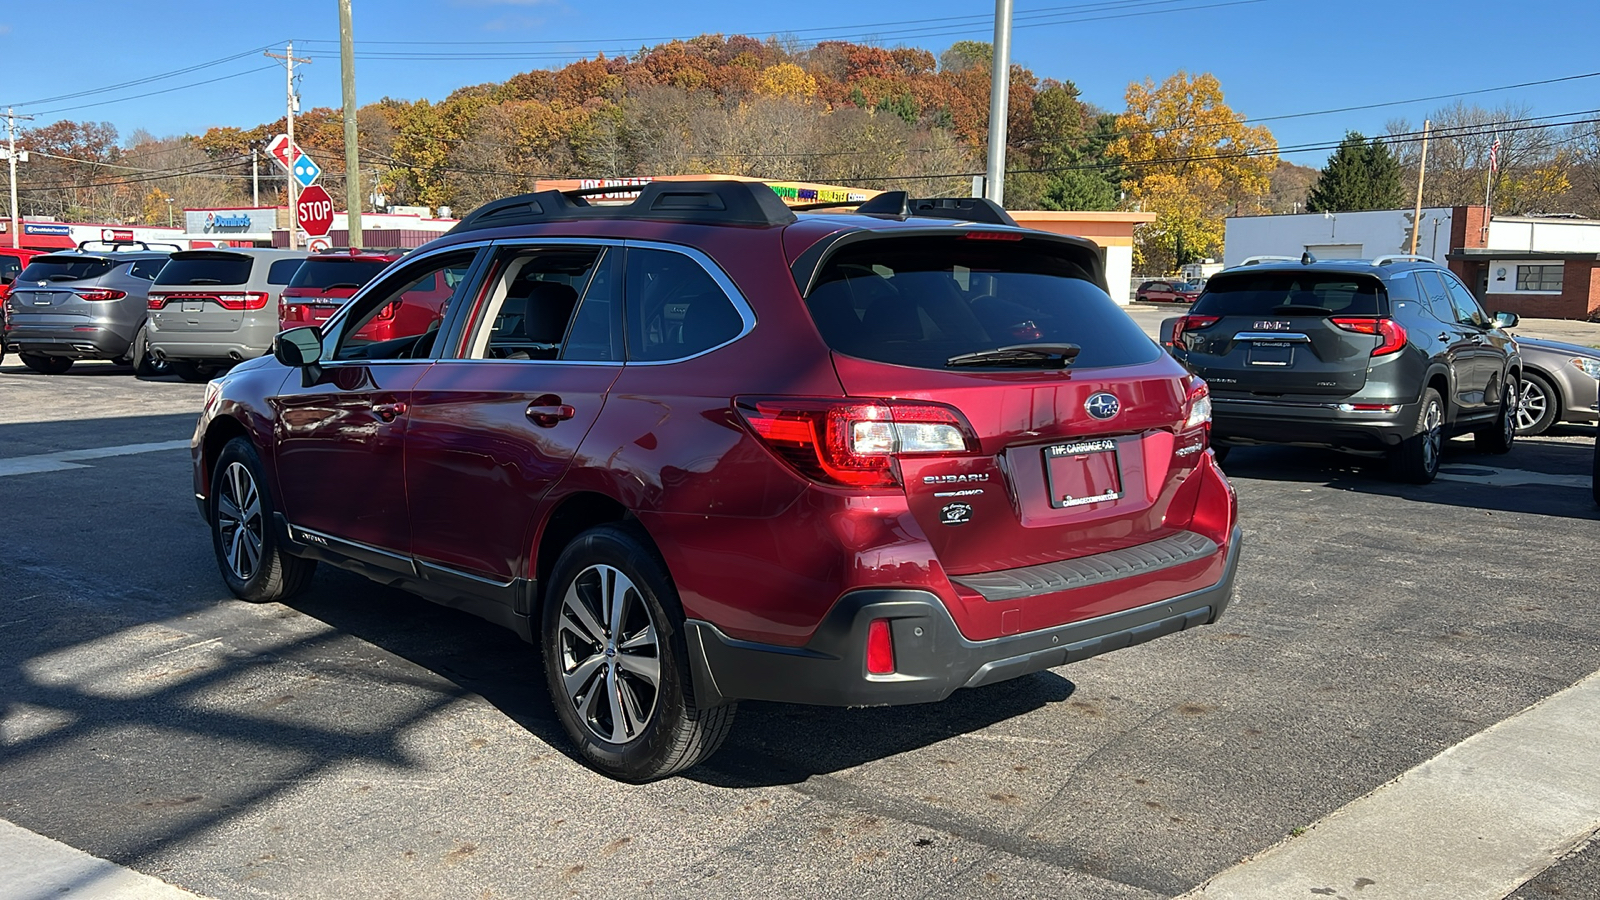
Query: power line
x=180 y=87
x=138 y=81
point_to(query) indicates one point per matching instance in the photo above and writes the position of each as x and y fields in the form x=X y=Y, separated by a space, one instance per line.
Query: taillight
x=1192 y=323
x=155 y=301
x=242 y=301
x=1392 y=332
x=388 y=311
x=993 y=236
x=854 y=442
x=1199 y=407
x=103 y=294
x=880 y=648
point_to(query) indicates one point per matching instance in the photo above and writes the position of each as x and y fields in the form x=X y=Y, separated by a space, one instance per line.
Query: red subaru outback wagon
x=701 y=449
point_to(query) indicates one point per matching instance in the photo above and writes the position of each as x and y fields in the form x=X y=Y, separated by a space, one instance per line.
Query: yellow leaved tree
x=1191 y=160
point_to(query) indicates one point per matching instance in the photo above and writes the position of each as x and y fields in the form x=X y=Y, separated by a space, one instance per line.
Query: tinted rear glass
x=919 y=301
x=1291 y=293
x=65 y=268
x=283 y=271
x=322 y=273
x=205 y=270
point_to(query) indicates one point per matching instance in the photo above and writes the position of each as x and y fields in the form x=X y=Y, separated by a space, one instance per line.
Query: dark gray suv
x=80 y=304
x=1383 y=357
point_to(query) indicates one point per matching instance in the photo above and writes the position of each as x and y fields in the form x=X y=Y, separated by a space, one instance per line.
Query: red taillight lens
x=854 y=442
x=1192 y=323
x=1392 y=332
x=243 y=301
x=880 y=648
x=155 y=301
x=101 y=295
x=993 y=236
x=388 y=311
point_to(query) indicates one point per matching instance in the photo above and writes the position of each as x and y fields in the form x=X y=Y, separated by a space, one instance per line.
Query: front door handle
x=548 y=411
x=1444 y=337
x=388 y=412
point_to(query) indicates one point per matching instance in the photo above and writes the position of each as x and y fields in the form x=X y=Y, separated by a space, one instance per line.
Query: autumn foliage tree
x=1192 y=160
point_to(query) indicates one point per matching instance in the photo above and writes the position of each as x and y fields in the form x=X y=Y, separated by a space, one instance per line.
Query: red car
x=12 y=261
x=1167 y=292
x=327 y=280
x=701 y=449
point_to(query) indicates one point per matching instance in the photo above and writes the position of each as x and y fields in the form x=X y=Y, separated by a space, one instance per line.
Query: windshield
x=221 y=269
x=322 y=273
x=919 y=301
x=65 y=268
x=1291 y=293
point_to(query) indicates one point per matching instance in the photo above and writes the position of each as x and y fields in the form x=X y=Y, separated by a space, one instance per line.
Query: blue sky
x=1273 y=57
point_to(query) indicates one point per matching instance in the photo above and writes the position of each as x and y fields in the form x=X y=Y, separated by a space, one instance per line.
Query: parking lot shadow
x=31 y=438
x=1542 y=476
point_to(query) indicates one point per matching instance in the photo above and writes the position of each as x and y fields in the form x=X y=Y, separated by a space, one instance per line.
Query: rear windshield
x=323 y=273
x=919 y=301
x=65 y=268
x=229 y=269
x=1290 y=293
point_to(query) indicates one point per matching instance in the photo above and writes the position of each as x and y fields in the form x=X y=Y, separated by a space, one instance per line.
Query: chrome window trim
x=746 y=314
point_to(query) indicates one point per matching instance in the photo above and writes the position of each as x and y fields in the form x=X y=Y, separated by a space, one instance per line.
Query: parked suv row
x=700 y=449
x=1383 y=357
x=210 y=309
x=83 y=304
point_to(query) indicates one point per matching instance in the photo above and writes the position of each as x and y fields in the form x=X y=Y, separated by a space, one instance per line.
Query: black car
x=1387 y=357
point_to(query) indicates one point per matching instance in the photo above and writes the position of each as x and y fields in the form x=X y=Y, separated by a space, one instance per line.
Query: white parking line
x=34 y=866
x=1497 y=477
x=1476 y=821
x=69 y=459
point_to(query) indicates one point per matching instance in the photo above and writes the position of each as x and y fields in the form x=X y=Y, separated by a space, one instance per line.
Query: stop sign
x=315 y=211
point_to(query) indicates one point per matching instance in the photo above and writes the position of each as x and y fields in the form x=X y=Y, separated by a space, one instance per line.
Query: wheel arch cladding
x=221 y=430
x=572 y=516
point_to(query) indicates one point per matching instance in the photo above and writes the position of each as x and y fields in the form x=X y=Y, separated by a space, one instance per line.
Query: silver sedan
x=1558 y=384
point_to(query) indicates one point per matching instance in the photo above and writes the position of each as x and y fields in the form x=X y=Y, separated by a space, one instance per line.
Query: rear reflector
x=880 y=648
x=1370 y=407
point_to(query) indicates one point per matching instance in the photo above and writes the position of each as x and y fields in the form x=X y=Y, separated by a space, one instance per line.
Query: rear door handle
x=548 y=411
x=388 y=412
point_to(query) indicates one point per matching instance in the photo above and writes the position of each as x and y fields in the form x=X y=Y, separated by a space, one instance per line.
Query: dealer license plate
x=1082 y=472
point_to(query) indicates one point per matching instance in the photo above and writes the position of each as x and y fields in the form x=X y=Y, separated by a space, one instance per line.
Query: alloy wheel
x=1432 y=437
x=1531 y=406
x=610 y=654
x=1508 y=422
x=239 y=521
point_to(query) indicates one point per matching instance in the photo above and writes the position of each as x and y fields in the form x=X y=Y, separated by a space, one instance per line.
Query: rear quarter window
x=283 y=271
x=918 y=301
x=1292 y=293
x=323 y=273
x=220 y=269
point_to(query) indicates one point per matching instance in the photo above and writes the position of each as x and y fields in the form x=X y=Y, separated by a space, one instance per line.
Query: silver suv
x=84 y=305
x=212 y=308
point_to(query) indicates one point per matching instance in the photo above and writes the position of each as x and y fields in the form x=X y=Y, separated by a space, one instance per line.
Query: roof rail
x=1388 y=258
x=695 y=202
x=1257 y=260
x=900 y=205
x=116 y=244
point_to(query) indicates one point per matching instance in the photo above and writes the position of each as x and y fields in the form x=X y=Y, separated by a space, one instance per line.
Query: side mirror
x=298 y=347
x=1506 y=320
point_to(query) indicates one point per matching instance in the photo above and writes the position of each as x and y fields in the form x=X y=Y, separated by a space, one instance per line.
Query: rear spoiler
x=1083 y=252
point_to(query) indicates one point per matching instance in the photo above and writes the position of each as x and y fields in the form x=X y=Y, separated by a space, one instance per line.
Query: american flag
x=1494 y=155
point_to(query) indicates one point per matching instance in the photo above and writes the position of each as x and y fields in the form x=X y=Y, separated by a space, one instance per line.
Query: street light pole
x=999 y=97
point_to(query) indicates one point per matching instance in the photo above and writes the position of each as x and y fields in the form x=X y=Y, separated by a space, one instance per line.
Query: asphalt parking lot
x=360 y=742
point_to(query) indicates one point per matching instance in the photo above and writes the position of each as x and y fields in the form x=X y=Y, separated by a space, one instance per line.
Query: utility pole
x=289 y=59
x=352 y=164
x=1422 y=172
x=13 y=158
x=255 y=174
x=999 y=100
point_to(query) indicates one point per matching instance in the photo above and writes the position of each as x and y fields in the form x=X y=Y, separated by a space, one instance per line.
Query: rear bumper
x=93 y=342
x=1236 y=421
x=932 y=658
x=217 y=346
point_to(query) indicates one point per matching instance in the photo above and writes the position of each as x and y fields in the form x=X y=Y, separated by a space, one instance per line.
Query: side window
x=146 y=268
x=1435 y=297
x=400 y=317
x=532 y=302
x=675 y=309
x=1466 y=306
x=282 y=271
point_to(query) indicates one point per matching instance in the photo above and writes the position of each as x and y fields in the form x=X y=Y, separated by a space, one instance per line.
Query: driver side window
x=1467 y=310
x=400 y=318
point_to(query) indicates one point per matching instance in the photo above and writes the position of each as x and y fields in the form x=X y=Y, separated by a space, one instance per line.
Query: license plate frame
x=1080 y=473
x=194 y=306
x=1270 y=353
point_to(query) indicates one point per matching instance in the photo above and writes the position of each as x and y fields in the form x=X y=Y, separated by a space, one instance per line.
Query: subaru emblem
x=1102 y=406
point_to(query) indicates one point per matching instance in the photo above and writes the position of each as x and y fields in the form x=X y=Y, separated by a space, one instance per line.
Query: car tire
x=1498 y=437
x=47 y=365
x=145 y=363
x=610 y=619
x=1417 y=458
x=1538 y=405
x=254 y=565
x=189 y=370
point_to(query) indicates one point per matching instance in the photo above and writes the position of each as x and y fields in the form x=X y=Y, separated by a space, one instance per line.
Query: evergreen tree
x=1359 y=175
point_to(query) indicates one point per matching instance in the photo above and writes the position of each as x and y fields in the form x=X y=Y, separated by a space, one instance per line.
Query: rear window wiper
x=205 y=281
x=1301 y=308
x=1032 y=356
x=342 y=284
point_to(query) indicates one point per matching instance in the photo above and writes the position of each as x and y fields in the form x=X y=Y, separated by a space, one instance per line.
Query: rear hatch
x=1069 y=460
x=322 y=285
x=59 y=290
x=204 y=291
x=1285 y=332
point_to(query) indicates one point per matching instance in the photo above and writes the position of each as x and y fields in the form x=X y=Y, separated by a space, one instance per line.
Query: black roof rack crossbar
x=693 y=202
x=901 y=205
x=115 y=244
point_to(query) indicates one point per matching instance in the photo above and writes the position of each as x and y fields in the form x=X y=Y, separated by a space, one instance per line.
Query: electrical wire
x=138 y=81
x=180 y=87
